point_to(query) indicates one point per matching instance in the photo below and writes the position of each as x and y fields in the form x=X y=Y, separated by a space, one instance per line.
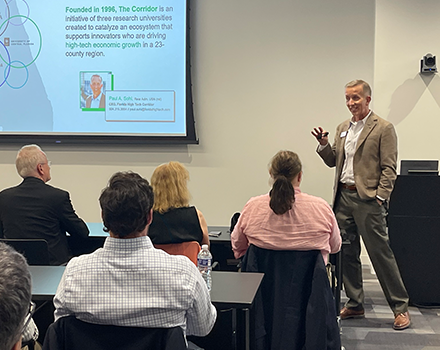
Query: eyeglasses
x=49 y=163
x=29 y=316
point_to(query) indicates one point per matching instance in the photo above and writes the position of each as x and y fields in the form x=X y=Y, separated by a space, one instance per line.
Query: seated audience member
x=16 y=323
x=128 y=282
x=174 y=221
x=34 y=209
x=285 y=218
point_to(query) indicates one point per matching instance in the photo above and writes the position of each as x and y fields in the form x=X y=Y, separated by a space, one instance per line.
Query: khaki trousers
x=358 y=218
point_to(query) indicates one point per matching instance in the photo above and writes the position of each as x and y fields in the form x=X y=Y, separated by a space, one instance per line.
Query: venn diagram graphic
x=10 y=54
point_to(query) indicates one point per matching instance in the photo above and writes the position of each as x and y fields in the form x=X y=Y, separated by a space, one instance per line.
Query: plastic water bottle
x=204 y=261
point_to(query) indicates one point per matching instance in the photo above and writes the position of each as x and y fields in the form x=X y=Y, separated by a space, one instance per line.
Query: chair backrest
x=294 y=307
x=36 y=251
x=70 y=333
x=189 y=249
x=234 y=220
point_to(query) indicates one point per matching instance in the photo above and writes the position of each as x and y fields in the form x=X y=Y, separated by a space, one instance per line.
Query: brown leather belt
x=347 y=187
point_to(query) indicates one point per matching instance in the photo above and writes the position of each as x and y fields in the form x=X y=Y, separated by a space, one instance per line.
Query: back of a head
x=28 y=158
x=15 y=295
x=169 y=182
x=285 y=165
x=126 y=203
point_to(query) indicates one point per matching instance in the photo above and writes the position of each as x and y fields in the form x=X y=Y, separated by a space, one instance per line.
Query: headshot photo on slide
x=93 y=91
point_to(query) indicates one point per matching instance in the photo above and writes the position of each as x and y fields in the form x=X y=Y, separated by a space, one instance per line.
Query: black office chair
x=69 y=333
x=36 y=251
x=29 y=345
x=294 y=307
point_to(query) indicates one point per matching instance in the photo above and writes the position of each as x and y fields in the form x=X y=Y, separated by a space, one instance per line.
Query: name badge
x=343 y=134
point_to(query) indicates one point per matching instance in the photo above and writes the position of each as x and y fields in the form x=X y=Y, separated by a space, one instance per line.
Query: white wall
x=407 y=30
x=264 y=74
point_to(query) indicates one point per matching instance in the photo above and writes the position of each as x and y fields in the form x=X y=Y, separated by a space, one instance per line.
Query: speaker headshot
x=97 y=98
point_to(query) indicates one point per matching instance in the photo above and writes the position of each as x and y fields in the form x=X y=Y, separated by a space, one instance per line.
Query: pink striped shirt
x=309 y=225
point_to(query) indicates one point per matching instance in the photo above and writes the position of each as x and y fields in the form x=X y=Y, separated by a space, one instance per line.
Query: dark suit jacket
x=375 y=158
x=294 y=306
x=34 y=209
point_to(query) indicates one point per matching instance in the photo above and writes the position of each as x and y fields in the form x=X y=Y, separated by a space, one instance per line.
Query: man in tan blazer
x=364 y=153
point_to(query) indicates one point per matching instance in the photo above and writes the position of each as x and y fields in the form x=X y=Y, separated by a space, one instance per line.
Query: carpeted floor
x=375 y=331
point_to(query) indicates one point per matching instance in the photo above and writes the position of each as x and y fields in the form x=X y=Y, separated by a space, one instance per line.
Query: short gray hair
x=28 y=158
x=96 y=76
x=15 y=295
x=365 y=86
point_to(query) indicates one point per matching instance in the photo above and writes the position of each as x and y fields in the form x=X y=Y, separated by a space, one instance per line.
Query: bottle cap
x=205 y=246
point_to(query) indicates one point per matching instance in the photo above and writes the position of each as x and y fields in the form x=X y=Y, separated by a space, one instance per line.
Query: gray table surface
x=45 y=280
x=95 y=229
x=229 y=289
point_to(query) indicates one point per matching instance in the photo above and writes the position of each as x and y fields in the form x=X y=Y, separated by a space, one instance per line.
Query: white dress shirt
x=351 y=139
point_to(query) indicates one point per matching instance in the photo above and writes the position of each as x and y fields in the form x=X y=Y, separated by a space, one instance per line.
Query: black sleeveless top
x=176 y=226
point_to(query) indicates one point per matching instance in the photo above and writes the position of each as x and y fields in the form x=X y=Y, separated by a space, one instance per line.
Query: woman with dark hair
x=174 y=220
x=286 y=218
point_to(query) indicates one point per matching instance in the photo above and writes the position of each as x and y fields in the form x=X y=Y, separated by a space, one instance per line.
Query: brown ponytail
x=284 y=167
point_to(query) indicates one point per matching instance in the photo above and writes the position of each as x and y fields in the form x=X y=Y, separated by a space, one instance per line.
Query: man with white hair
x=97 y=99
x=34 y=209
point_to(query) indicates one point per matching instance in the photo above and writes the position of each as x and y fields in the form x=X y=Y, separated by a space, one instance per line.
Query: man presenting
x=128 y=282
x=34 y=209
x=364 y=153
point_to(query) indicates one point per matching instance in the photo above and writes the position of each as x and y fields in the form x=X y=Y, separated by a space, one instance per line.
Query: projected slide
x=96 y=67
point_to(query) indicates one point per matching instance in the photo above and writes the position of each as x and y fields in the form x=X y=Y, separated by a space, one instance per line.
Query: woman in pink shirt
x=286 y=218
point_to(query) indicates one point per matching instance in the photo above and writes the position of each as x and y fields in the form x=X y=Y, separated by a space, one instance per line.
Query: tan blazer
x=375 y=158
x=101 y=101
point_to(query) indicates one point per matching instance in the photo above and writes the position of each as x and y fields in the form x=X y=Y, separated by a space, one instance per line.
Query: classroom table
x=96 y=230
x=236 y=290
x=45 y=280
x=229 y=290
